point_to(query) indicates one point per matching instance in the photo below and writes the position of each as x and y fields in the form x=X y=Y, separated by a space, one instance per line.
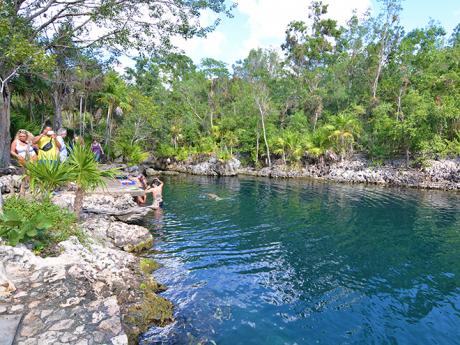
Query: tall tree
x=309 y=51
x=387 y=32
x=28 y=28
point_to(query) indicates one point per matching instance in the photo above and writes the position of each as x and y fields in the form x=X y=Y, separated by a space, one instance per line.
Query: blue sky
x=261 y=23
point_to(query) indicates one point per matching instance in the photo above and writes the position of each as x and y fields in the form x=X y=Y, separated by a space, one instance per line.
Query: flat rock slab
x=114 y=187
x=8 y=327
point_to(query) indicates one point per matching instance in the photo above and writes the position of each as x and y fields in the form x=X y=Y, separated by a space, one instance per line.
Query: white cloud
x=268 y=19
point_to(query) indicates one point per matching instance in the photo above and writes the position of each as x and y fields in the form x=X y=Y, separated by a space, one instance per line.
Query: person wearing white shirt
x=63 y=154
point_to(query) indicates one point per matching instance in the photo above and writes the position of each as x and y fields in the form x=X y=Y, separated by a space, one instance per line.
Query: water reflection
x=285 y=262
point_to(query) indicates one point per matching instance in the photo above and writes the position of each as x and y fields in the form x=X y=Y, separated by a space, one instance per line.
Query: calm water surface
x=297 y=262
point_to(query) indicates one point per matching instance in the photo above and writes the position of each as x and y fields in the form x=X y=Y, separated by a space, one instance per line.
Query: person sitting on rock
x=141 y=183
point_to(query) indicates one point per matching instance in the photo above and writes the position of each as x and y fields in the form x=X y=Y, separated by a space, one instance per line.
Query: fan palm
x=80 y=168
x=85 y=172
x=46 y=176
x=319 y=142
x=346 y=128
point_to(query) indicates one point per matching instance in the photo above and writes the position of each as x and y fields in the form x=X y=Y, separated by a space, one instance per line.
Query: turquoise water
x=297 y=262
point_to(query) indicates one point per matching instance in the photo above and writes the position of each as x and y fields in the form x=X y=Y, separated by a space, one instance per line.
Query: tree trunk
x=81 y=115
x=1 y=200
x=78 y=202
x=108 y=124
x=5 y=104
x=257 y=144
x=57 y=123
x=31 y=110
x=265 y=139
x=318 y=112
x=407 y=157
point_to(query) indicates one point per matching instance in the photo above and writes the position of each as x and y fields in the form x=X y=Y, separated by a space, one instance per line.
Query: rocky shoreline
x=98 y=292
x=434 y=174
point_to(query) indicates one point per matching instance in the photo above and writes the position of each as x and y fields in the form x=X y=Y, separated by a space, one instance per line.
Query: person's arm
x=13 y=150
x=37 y=138
x=58 y=144
x=102 y=150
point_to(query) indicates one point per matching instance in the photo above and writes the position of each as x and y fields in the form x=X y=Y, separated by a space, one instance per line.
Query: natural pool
x=299 y=262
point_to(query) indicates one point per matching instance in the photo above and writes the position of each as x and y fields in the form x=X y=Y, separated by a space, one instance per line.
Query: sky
x=262 y=24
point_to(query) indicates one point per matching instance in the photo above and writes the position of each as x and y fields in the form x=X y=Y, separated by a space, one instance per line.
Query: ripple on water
x=296 y=262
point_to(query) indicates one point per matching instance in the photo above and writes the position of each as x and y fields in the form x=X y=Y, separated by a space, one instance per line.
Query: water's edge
x=434 y=174
x=194 y=215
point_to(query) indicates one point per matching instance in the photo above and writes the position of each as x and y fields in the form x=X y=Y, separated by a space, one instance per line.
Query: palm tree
x=319 y=142
x=45 y=177
x=231 y=139
x=346 y=128
x=280 y=147
x=80 y=168
x=85 y=172
x=114 y=95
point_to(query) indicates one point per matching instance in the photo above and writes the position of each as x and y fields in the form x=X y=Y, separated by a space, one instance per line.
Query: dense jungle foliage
x=367 y=87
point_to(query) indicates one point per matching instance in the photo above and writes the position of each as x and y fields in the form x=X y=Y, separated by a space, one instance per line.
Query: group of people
x=156 y=188
x=48 y=146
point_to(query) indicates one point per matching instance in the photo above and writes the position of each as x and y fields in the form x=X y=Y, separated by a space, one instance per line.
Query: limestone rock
x=10 y=183
x=130 y=238
x=123 y=207
x=207 y=165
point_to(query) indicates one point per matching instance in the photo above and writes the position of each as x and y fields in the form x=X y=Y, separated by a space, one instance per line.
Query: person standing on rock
x=97 y=150
x=23 y=150
x=48 y=146
x=63 y=154
x=21 y=147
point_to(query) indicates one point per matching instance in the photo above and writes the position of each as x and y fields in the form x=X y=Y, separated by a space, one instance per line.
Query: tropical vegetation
x=365 y=87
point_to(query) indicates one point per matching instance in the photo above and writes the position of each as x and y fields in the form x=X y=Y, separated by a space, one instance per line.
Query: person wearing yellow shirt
x=48 y=146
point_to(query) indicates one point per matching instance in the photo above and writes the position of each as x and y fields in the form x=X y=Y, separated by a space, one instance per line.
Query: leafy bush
x=16 y=228
x=41 y=223
x=182 y=154
x=165 y=151
x=136 y=156
x=224 y=155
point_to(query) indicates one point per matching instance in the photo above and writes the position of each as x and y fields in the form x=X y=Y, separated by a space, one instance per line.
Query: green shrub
x=42 y=224
x=16 y=228
x=165 y=151
x=182 y=154
x=136 y=156
x=224 y=155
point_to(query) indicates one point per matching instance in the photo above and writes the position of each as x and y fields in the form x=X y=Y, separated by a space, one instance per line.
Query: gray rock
x=8 y=327
x=10 y=183
x=210 y=166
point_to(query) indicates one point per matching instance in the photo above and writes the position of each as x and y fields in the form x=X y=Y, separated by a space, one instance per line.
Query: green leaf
x=14 y=237
x=32 y=231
